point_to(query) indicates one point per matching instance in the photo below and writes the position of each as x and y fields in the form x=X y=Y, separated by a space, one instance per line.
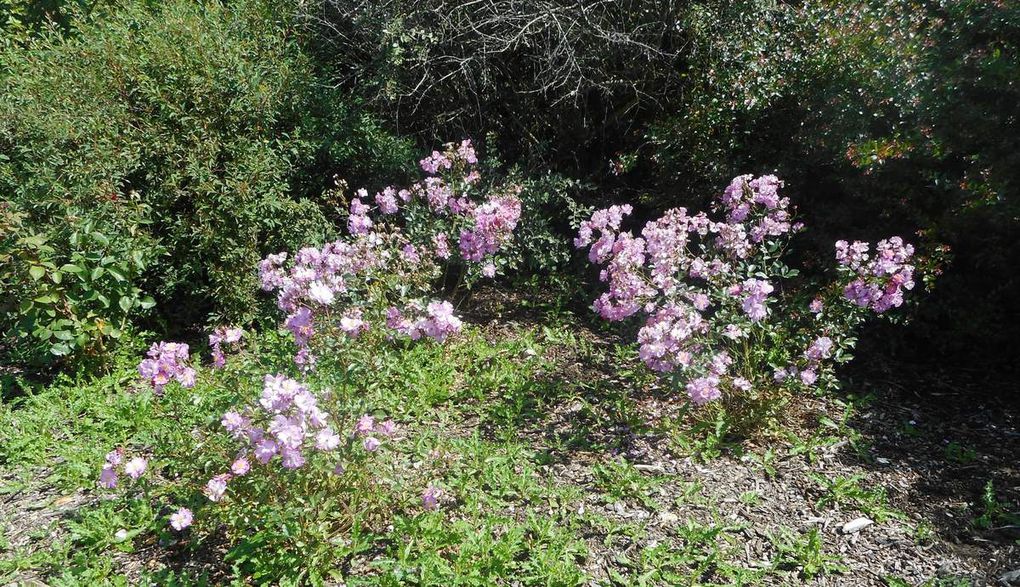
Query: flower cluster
x=166 y=362
x=223 y=336
x=380 y=274
x=116 y=463
x=706 y=287
x=287 y=425
x=438 y=323
x=879 y=280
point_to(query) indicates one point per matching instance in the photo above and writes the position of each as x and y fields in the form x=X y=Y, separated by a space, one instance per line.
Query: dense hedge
x=883 y=116
x=201 y=135
x=192 y=138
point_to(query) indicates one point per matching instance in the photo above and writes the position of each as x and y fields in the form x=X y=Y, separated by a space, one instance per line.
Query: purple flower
x=115 y=456
x=364 y=425
x=387 y=201
x=320 y=293
x=265 y=449
x=386 y=428
x=292 y=458
x=167 y=361
x=431 y=497
x=352 y=324
x=820 y=349
x=441 y=322
x=703 y=390
x=808 y=376
x=235 y=423
x=816 y=306
x=108 y=477
x=371 y=444
x=755 y=292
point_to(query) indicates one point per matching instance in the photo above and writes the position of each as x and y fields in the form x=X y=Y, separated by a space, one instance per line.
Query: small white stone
x=856 y=525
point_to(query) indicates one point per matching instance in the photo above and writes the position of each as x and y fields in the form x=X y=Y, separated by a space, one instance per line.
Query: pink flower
x=371 y=444
x=365 y=425
x=135 y=468
x=326 y=439
x=217 y=486
x=181 y=519
x=240 y=467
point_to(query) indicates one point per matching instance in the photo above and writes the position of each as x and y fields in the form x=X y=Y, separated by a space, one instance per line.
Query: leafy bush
x=887 y=116
x=305 y=455
x=706 y=288
x=198 y=133
x=57 y=305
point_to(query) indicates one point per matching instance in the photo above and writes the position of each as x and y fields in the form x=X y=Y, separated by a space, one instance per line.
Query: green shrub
x=62 y=304
x=211 y=114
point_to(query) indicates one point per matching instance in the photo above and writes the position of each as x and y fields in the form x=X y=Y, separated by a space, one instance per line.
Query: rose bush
x=724 y=315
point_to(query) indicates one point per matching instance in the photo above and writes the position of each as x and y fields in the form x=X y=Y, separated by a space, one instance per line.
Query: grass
x=529 y=434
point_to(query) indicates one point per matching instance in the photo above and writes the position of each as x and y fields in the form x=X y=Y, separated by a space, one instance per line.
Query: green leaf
x=147 y=302
x=116 y=274
x=125 y=303
x=60 y=349
x=36 y=272
x=97 y=273
x=63 y=335
x=69 y=268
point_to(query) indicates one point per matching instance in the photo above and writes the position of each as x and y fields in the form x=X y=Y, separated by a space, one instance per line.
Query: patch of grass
x=995 y=512
x=957 y=453
x=848 y=491
x=805 y=554
x=620 y=480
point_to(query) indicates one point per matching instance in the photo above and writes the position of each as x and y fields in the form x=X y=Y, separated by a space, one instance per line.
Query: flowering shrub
x=167 y=361
x=400 y=242
x=294 y=451
x=723 y=314
x=223 y=336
